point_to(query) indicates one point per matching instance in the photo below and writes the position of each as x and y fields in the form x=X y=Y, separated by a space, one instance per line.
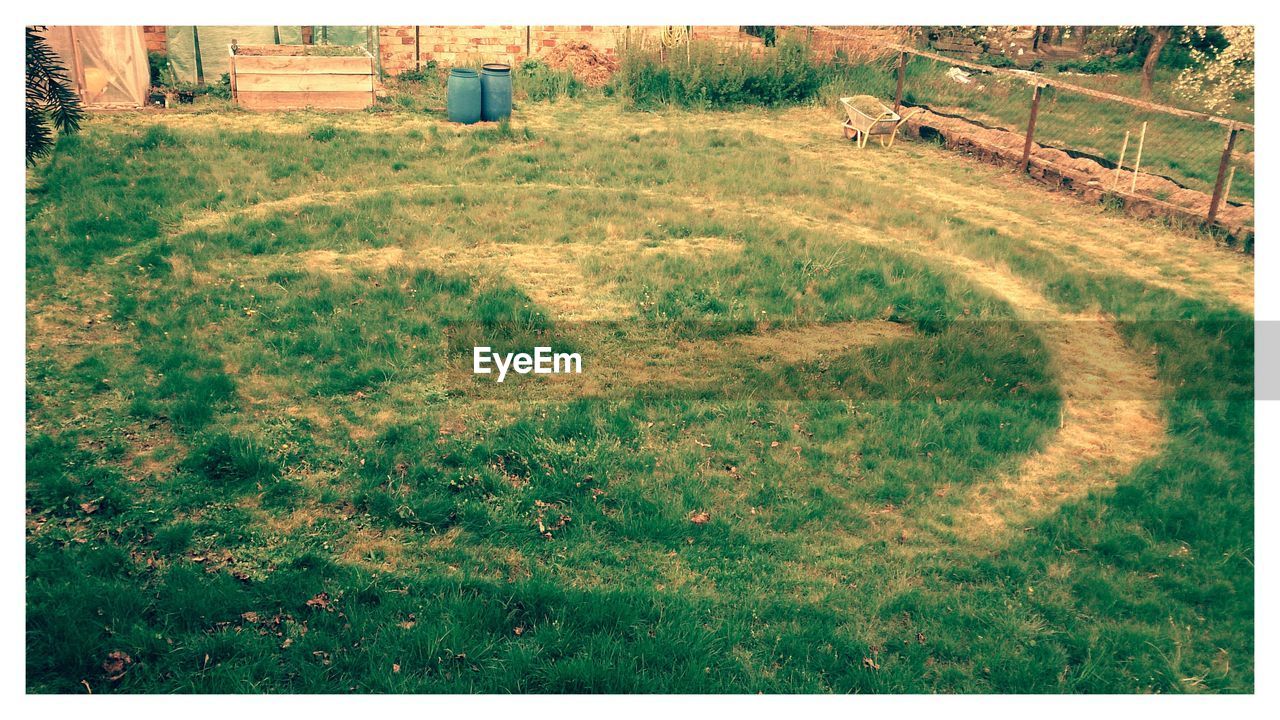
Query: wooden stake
x=1137 y=161
x=1226 y=192
x=1222 y=172
x=902 y=74
x=1031 y=128
x=1120 y=165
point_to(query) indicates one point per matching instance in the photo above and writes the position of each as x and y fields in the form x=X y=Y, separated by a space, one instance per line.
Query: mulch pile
x=587 y=64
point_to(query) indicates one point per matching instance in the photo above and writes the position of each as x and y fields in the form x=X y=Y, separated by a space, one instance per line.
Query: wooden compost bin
x=292 y=77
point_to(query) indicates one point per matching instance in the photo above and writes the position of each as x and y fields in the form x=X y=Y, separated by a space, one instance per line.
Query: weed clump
x=157 y=136
x=323 y=133
x=228 y=461
x=539 y=81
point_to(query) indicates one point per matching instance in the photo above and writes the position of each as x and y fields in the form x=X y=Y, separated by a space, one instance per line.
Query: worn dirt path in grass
x=1111 y=414
x=552 y=274
x=1085 y=236
x=1111 y=417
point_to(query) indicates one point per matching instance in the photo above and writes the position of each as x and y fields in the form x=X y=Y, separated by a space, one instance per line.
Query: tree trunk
x=1159 y=38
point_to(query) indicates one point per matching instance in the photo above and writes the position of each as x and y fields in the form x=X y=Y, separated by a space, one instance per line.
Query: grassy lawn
x=849 y=421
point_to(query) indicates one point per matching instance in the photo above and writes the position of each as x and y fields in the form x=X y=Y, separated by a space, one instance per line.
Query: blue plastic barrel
x=495 y=92
x=464 y=95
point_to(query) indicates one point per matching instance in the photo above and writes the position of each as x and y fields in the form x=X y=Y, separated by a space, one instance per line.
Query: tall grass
x=707 y=76
x=535 y=80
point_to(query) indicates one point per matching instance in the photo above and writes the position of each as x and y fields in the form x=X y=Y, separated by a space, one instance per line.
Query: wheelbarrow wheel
x=850 y=133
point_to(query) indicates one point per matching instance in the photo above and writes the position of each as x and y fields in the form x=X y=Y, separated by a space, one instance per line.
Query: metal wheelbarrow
x=866 y=116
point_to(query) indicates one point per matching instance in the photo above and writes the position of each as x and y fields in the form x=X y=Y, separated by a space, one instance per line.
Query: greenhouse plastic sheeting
x=215 y=43
x=107 y=63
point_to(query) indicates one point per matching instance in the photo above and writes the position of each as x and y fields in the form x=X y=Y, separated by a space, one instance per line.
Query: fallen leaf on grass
x=116 y=665
x=700 y=517
x=545 y=528
x=870 y=663
x=321 y=601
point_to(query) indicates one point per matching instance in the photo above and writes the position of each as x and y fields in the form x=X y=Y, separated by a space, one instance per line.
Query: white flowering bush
x=1216 y=77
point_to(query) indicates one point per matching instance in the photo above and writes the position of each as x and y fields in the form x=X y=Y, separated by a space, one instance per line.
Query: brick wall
x=154 y=37
x=857 y=42
x=453 y=44
x=396 y=43
x=606 y=39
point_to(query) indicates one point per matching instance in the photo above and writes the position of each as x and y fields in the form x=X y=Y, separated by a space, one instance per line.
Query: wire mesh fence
x=1171 y=159
x=209 y=44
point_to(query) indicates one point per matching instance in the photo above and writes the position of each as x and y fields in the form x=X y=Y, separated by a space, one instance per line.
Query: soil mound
x=587 y=64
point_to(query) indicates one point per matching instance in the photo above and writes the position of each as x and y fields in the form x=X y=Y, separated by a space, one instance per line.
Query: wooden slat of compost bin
x=303 y=83
x=255 y=65
x=275 y=100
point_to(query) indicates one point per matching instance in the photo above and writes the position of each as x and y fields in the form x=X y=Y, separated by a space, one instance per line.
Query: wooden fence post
x=195 y=40
x=902 y=74
x=417 y=48
x=1222 y=174
x=1031 y=128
